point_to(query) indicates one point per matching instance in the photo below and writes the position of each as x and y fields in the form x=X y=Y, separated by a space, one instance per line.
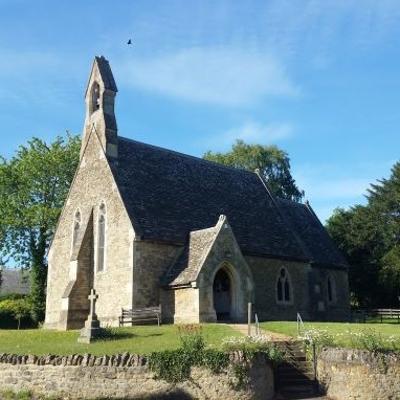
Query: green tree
x=33 y=187
x=272 y=162
x=355 y=235
x=370 y=237
x=21 y=309
x=15 y=307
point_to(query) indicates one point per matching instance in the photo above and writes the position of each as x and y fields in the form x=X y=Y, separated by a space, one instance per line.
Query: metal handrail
x=257 y=322
x=300 y=329
x=300 y=324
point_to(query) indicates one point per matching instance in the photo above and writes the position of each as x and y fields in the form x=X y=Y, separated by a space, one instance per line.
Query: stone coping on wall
x=356 y=356
x=117 y=360
x=127 y=376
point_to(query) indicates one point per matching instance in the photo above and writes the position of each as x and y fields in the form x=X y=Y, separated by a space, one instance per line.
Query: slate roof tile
x=189 y=263
x=106 y=73
x=168 y=195
x=14 y=281
x=316 y=239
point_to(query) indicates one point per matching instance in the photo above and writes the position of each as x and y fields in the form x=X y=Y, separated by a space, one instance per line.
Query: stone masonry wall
x=151 y=261
x=225 y=254
x=186 y=306
x=324 y=310
x=124 y=376
x=93 y=184
x=265 y=274
x=359 y=375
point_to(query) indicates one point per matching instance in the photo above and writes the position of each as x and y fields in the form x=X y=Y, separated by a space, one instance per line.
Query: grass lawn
x=334 y=328
x=137 y=339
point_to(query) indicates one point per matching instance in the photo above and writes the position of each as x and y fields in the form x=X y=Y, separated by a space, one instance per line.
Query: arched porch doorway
x=222 y=293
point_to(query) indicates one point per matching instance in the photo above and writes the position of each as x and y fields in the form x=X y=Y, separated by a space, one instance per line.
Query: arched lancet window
x=283 y=287
x=76 y=227
x=95 y=97
x=331 y=289
x=101 y=238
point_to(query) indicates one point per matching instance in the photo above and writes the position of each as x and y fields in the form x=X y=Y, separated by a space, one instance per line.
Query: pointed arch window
x=76 y=227
x=283 y=287
x=95 y=97
x=101 y=238
x=331 y=285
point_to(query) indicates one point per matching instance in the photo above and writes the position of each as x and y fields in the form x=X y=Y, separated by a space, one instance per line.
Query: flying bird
x=129 y=41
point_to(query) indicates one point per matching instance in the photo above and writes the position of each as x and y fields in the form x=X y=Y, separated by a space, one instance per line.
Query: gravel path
x=275 y=337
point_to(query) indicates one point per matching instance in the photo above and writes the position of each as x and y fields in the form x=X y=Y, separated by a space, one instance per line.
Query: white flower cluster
x=316 y=336
x=246 y=340
x=365 y=339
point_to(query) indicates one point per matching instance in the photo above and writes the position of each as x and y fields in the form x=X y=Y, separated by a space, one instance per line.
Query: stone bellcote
x=100 y=116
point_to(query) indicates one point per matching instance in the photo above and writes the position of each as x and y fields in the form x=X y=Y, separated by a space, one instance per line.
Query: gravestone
x=92 y=324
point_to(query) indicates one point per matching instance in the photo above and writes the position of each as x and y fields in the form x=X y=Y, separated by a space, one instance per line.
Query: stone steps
x=295 y=378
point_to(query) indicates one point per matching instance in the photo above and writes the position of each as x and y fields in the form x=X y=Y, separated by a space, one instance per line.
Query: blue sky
x=320 y=79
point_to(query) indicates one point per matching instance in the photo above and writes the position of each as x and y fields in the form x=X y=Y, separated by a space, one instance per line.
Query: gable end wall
x=93 y=184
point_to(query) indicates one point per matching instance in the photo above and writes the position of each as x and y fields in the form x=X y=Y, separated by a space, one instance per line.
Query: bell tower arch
x=100 y=101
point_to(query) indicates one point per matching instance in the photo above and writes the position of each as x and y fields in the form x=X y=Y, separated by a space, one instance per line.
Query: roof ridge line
x=188 y=155
x=311 y=211
x=315 y=216
x=302 y=245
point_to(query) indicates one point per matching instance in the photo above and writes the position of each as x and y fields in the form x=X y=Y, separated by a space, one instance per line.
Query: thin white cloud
x=348 y=188
x=24 y=64
x=221 y=76
x=332 y=182
x=37 y=77
x=328 y=186
x=326 y=194
x=253 y=132
x=322 y=32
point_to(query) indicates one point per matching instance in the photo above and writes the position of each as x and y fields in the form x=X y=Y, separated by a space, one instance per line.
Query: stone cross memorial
x=92 y=325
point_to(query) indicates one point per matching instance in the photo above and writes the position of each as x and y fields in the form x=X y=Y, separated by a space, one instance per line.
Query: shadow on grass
x=152 y=335
x=117 y=335
x=112 y=334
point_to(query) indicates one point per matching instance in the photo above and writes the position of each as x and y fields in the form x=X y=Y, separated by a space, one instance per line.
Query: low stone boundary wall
x=124 y=376
x=359 y=374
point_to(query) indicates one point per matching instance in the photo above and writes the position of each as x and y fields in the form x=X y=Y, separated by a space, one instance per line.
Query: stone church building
x=144 y=226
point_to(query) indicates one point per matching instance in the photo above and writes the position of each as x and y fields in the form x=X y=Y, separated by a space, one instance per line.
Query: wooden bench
x=140 y=315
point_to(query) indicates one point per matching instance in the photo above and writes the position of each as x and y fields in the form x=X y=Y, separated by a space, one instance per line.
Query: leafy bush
x=10 y=395
x=373 y=341
x=175 y=365
x=316 y=339
x=15 y=313
x=319 y=337
x=249 y=346
x=367 y=339
x=393 y=342
x=11 y=296
x=191 y=337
